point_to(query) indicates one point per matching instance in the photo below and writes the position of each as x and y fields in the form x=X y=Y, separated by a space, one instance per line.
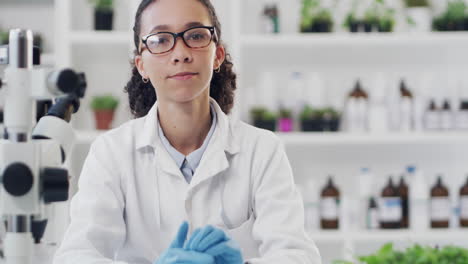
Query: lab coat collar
x=149 y=136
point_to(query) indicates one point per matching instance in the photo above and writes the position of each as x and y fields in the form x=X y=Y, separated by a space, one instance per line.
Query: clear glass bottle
x=406 y=108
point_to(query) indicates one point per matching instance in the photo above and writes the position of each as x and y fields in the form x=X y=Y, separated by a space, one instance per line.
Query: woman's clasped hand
x=207 y=245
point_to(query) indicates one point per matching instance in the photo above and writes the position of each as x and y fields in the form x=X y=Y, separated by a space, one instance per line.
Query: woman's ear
x=220 y=56
x=139 y=64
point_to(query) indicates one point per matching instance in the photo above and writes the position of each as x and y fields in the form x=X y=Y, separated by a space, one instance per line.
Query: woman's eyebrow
x=166 y=27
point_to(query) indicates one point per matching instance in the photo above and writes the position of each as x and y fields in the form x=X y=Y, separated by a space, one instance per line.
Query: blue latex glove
x=227 y=252
x=205 y=238
x=216 y=243
x=175 y=254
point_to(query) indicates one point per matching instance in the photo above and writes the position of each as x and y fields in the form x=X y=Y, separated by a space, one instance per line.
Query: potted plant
x=311 y=120
x=323 y=21
x=103 y=14
x=371 y=19
x=387 y=20
x=453 y=18
x=352 y=23
x=104 y=107
x=413 y=254
x=306 y=14
x=314 y=18
x=262 y=118
x=4 y=36
x=331 y=119
x=418 y=15
x=285 y=120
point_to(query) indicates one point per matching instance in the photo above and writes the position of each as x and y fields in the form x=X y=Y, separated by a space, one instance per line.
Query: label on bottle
x=432 y=120
x=329 y=208
x=461 y=118
x=464 y=207
x=446 y=120
x=267 y=24
x=440 y=209
x=390 y=209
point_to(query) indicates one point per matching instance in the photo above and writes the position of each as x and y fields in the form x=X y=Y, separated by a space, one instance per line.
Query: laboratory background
x=369 y=97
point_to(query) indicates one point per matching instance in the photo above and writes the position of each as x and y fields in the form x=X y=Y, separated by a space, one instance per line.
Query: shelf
x=93 y=37
x=390 y=235
x=347 y=40
x=344 y=138
x=341 y=138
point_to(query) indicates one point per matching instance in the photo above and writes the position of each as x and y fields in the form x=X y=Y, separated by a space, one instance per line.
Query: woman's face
x=167 y=71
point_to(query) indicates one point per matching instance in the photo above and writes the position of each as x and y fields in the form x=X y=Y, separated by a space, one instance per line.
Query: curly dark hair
x=142 y=95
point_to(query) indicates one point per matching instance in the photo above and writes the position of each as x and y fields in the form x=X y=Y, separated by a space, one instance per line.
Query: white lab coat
x=132 y=197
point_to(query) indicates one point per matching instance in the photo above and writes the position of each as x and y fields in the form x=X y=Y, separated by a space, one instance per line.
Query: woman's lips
x=182 y=76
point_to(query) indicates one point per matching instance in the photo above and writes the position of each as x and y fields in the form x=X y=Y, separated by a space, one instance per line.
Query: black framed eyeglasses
x=195 y=38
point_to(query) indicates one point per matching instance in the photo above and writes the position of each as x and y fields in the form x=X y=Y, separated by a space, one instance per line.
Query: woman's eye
x=162 y=41
x=197 y=36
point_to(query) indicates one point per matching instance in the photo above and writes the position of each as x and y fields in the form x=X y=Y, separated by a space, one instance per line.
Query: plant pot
x=322 y=27
x=103 y=119
x=455 y=25
x=265 y=124
x=354 y=27
x=422 y=18
x=331 y=124
x=285 y=124
x=306 y=29
x=465 y=26
x=385 y=28
x=311 y=125
x=368 y=27
x=103 y=19
x=438 y=25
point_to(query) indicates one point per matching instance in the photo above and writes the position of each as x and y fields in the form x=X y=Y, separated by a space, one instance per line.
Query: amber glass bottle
x=329 y=206
x=390 y=212
x=403 y=191
x=464 y=205
x=440 y=205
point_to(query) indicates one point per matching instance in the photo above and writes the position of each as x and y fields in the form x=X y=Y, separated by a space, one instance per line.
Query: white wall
x=38 y=17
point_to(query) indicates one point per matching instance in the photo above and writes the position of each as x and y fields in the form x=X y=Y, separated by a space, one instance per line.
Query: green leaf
x=102 y=4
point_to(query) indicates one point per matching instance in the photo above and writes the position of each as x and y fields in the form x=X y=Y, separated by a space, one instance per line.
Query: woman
x=183 y=160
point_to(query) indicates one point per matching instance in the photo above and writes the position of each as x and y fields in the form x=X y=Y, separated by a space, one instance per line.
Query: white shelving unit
x=364 y=40
x=359 y=139
x=106 y=55
x=341 y=58
x=384 y=236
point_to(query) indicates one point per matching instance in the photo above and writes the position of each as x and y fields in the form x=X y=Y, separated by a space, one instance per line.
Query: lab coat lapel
x=221 y=146
x=150 y=137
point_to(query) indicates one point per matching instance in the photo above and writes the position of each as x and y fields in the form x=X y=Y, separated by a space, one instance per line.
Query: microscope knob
x=67 y=81
x=55 y=184
x=17 y=179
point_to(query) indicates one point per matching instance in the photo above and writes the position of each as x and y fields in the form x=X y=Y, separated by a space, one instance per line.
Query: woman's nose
x=181 y=52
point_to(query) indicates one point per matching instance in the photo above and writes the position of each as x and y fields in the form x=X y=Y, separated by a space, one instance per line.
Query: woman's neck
x=185 y=125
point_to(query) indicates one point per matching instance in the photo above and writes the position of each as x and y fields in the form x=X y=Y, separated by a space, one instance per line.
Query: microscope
x=36 y=143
